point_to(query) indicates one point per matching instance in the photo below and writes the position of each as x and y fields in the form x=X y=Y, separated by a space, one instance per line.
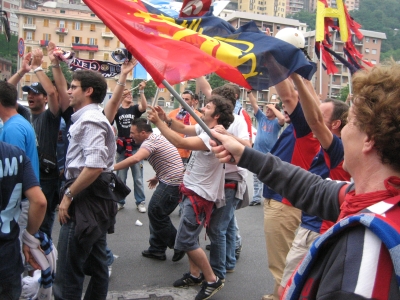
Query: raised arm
x=253 y=101
x=142 y=101
x=59 y=79
x=203 y=85
x=140 y=155
x=111 y=108
x=190 y=143
x=312 y=113
x=188 y=130
x=25 y=68
x=278 y=114
x=45 y=81
x=288 y=95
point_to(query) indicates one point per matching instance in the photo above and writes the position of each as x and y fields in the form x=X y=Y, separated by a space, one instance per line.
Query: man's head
x=127 y=97
x=188 y=97
x=334 y=113
x=87 y=87
x=37 y=97
x=218 y=110
x=140 y=130
x=227 y=92
x=376 y=111
x=236 y=89
x=270 y=113
x=8 y=95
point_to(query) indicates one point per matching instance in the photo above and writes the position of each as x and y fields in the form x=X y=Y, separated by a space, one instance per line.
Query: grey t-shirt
x=204 y=173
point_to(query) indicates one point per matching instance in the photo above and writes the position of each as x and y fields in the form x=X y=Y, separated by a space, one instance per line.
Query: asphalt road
x=136 y=277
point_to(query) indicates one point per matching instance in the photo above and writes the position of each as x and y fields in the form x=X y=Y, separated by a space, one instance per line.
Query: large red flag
x=194 y=8
x=166 y=50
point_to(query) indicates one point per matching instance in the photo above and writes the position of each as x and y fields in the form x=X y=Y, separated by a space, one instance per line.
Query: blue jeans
x=257 y=188
x=50 y=188
x=74 y=263
x=238 y=236
x=222 y=234
x=137 y=175
x=162 y=232
x=11 y=289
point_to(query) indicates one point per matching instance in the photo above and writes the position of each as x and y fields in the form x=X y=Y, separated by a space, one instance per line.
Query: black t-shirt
x=124 y=118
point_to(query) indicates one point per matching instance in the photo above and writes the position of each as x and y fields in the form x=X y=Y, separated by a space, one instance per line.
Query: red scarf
x=355 y=203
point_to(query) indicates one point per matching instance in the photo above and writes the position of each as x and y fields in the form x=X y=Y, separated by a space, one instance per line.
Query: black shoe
x=188 y=280
x=209 y=289
x=159 y=256
x=178 y=255
x=254 y=203
x=238 y=251
x=208 y=247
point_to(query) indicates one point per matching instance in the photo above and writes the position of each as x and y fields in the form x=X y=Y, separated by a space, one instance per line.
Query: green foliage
x=64 y=69
x=343 y=93
x=216 y=81
x=192 y=86
x=305 y=17
x=9 y=50
x=149 y=91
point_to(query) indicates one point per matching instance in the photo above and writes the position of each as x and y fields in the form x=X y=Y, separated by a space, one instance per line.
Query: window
x=27 y=77
x=106 y=43
x=76 y=40
x=375 y=41
x=30 y=21
x=106 y=56
x=61 y=38
x=91 y=55
x=29 y=35
x=47 y=36
x=44 y=64
x=78 y=26
x=92 y=27
x=46 y=23
x=373 y=51
x=61 y=24
x=92 y=15
x=107 y=29
x=118 y=44
x=28 y=49
x=92 y=41
x=44 y=52
x=366 y=50
x=62 y=11
x=373 y=61
x=367 y=39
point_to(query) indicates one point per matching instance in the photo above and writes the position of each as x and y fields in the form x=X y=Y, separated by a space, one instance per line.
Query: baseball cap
x=35 y=87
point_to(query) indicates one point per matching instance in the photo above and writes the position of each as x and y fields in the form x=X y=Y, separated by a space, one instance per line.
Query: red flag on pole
x=194 y=8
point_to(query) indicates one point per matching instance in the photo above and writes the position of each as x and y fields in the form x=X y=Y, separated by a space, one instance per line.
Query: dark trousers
x=50 y=188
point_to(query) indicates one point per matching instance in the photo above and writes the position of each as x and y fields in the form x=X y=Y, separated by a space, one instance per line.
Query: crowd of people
x=327 y=174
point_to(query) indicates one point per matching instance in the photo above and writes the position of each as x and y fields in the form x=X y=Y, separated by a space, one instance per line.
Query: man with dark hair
x=86 y=211
x=166 y=162
x=202 y=188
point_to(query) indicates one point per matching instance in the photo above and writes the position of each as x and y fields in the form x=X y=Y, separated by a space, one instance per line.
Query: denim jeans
x=11 y=289
x=74 y=263
x=257 y=188
x=137 y=175
x=238 y=242
x=52 y=194
x=222 y=234
x=162 y=232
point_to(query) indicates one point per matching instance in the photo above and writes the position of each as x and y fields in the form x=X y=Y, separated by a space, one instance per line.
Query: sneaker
x=109 y=271
x=230 y=270
x=120 y=206
x=209 y=289
x=155 y=255
x=268 y=297
x=238 y=251
x=188 y=280
x=141 y=208
x=178 y=255
x=254 y=203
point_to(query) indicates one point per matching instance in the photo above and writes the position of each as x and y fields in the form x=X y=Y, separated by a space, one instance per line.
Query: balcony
x=29 y=26
x=61 y=30
x=44 y=43
x=84 y=47
x=107 y=35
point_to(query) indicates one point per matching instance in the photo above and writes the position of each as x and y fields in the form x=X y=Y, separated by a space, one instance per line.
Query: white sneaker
x=120 y=206
x=141 y=208
x=109 y=271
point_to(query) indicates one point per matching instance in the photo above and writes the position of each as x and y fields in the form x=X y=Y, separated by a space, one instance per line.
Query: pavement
x=136 y=277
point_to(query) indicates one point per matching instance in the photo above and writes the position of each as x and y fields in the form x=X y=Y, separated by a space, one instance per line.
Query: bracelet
x=141 y=91
x=55 y=66
x=38 y=69
x=19 y=74
x=169 y=123
x=121 y=84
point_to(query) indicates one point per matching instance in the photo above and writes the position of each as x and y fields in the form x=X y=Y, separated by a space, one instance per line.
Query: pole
x=320 y=68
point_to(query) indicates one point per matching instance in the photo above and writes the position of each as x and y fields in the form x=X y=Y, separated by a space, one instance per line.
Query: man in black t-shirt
x=126 y=147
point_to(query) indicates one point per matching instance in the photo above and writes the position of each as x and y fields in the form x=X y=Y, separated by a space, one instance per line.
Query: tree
x=64 y=69
x=343 y=93
x=149 y=91
x=305 y=17
x=216 y=81
x=9 y=50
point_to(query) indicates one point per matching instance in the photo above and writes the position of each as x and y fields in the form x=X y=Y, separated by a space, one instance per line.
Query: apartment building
x=72 y=27
x=369 y=46
x=261 y=7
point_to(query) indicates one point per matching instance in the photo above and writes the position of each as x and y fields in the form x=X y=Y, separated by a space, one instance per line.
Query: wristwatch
x=69 y=194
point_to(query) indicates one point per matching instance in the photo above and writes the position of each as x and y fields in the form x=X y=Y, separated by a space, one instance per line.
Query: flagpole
x=320 y=68
x=154 y=101
x=189 y=109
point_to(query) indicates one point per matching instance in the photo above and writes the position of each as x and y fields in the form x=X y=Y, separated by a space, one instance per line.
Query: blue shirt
x=267 y=132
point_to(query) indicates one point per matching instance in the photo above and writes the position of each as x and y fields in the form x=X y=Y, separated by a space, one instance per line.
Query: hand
x=37 y=58
x=229 y=148
x=152 y=182
x=29 y=257
x=128 y=66
x=50 y=53
x=142 y=85
x=220 y=129
x=63 y=215
x=156 y=114
x=25 y=67
x=271 y=106
x=349 y=98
